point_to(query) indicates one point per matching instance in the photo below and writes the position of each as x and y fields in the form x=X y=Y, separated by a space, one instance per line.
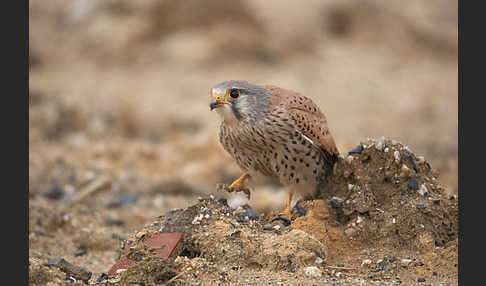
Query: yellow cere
x=218 y=98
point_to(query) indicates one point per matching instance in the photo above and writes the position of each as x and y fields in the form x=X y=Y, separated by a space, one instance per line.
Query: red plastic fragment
x=166 y=242
x=123 y=263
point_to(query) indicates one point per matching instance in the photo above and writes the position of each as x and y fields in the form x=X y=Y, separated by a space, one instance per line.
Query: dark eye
x=234 y=93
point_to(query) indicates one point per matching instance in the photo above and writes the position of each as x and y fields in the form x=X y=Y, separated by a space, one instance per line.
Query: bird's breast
x=242 y=137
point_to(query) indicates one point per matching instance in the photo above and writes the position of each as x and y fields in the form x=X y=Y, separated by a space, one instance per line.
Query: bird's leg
x=287 y=205
x=239 y=182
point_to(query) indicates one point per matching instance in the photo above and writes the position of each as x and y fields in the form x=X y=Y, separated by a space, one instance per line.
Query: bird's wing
x=305 y=117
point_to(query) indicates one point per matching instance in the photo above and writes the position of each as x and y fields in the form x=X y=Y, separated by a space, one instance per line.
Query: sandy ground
x=119 y=90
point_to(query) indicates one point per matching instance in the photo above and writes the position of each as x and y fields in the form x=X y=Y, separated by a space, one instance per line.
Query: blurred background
x=122 y=88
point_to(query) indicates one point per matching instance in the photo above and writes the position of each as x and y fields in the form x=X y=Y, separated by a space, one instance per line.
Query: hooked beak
x=216 y=101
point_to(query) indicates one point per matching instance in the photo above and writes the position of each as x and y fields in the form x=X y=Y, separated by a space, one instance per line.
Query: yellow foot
x=239 y=182
x=287 y=206
x=237 y=186
x=287 y=213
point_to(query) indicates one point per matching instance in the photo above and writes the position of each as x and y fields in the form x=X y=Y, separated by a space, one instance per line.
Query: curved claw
x=240 y=188
x=235 y=188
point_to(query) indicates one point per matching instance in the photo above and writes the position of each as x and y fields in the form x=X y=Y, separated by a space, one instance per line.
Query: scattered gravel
x=313 y=271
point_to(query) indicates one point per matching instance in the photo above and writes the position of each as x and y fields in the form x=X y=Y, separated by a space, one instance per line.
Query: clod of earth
x=77 y=272
x=363 y=204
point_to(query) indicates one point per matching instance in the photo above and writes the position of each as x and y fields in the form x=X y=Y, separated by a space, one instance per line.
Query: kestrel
x=274 y=132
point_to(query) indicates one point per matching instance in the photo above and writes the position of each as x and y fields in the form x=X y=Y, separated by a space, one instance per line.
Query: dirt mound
x=386 y=202
x=388 y=195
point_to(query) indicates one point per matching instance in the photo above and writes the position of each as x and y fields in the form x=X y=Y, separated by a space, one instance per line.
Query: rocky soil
x=384 y=219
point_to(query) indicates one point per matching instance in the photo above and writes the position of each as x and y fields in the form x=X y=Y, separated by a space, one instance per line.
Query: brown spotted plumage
x=275 y=132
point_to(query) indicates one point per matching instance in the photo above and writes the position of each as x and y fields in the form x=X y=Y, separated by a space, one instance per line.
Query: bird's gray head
x=237 y=100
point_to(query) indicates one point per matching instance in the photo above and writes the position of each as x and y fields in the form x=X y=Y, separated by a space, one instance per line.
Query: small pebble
x=357 y=150
x=336 y=202
x=365 y=158
x=80 y=252
x=285 y=220
x=351 y=232
x=102 y=277
x=380 y=144
x=249 y=212
x=423 y=190
x=300 y=210
x=405 y=261
x=413 y=184
x=365 y=262
x=313 y=271
x=114 y=222
x=141 y=234
x=381 y=264
x=349 y=159
x=223 y=201
x=405 y=169
x=408 y=149
x=54 y=260
x=267 y=227
x=75 y=271
x=54 y=193
x=412 y=161
x=396 y=154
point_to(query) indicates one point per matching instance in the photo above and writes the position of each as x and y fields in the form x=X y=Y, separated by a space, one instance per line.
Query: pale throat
x=227 y=114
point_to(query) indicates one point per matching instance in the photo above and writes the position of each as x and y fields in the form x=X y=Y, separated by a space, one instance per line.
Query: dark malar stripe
x=236 y=112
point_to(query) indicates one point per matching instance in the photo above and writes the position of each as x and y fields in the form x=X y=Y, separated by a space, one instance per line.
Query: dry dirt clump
x=40 y=274
x=386 y=195
x=223 y=237
x=153 y=270
x=386 y=219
